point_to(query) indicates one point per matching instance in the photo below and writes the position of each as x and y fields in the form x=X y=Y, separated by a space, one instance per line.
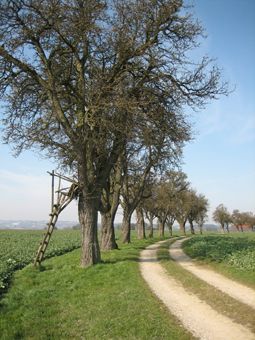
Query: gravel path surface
x=236 y=290
x=196 y=316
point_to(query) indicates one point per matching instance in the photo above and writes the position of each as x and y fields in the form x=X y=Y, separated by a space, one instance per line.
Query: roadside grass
x=232 y=255
x=106 y=301
x=219 y=301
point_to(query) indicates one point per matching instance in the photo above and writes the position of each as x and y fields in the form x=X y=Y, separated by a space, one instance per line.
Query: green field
x=18 y=248
x=232 y=254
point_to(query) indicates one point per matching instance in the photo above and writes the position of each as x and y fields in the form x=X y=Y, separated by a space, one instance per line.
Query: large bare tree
x=80 y=78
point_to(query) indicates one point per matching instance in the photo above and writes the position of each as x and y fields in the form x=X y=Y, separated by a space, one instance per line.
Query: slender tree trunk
x=140 y=225
x=222 y=228
x=150 y=235
x=201 y=228
x=107 y=231
x=161 y=228
x=227 y=227
x=170 y=227
x=88 y=209
x=241 y=227
x=182 y=228
x=237 y=227
x=126 y=225
x=192 y=230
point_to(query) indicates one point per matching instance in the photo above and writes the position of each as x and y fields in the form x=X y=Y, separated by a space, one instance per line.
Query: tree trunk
x=201 y=228
x=170 y=227
x=161 y=228
x=126 y=226
x=222 y=228
x=107 y=232
x=140 y=225
x=182 y=228
x=150 y=228
x=192 y=230
x=88 y=208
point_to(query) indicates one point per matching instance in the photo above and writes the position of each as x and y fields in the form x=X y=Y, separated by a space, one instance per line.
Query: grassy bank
x=106 y=301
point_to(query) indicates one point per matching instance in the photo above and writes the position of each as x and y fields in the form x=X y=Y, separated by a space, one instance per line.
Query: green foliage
x=238 y=252
x=243 y=259
x=18 y=248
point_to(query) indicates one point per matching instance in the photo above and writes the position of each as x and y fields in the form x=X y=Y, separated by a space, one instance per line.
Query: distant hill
x=28 y=224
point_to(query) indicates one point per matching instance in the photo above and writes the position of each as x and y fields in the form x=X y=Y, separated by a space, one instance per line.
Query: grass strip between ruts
x=219 y=301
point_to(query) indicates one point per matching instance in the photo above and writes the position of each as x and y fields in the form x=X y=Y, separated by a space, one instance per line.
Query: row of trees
x=100 y=86
x=167 y=199
x=239 y=220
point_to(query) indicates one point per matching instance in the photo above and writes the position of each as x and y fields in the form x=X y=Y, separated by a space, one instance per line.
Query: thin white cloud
x=244 y=130
x=25 y=196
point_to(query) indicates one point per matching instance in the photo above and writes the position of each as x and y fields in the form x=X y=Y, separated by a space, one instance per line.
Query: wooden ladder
x=64 y=198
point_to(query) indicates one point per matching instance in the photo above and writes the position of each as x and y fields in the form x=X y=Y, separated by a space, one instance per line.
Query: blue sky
x=220 y=162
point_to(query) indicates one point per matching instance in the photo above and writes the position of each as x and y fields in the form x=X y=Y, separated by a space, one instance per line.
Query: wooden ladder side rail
x=63 y=201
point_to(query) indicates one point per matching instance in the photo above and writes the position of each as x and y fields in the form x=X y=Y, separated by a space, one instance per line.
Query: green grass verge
x=106 y=301
x=219 y=301
x=231 y=254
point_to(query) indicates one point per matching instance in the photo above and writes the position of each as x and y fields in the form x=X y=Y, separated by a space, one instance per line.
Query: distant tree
x=202 y=209
x=183 y=207
x=252 y=221
x=140 y=224
x=149 y=208
x=166 y=194
x=76 y=227
x=237 y=219
x=135 y=178
x=81 y=78
x=247 y=219
x=222 y=216
x=193 y=210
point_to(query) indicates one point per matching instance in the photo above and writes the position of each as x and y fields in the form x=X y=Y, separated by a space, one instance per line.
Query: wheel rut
x=195 y=315
x=234 y=289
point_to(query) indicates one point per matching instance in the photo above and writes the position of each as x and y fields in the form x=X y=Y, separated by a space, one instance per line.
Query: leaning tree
x=80 y=78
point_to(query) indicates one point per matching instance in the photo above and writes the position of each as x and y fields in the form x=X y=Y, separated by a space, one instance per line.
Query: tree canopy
x=84 y=80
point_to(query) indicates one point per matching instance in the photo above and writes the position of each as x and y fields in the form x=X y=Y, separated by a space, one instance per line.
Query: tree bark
x=222 y=228
x=88 y=209
x=107 y=231
x=161 y=228
x=201 y=228
x=126 y=226
x=140 y=225
x=182 y=228
x=192 y=230
x=170 y=228
x=227 y=227
x=150 y=235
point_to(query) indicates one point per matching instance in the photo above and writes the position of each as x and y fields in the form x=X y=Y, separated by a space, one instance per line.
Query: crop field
x=18 y=248
x=233 y=254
